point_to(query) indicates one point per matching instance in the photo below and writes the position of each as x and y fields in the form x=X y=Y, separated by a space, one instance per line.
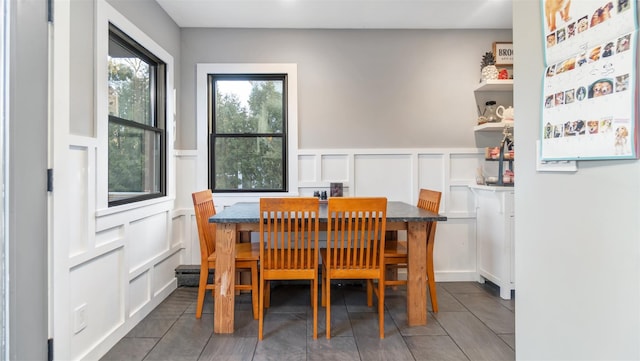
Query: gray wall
x=357 y=88
x=27 y=186
x=148 y=17
x=577 y=235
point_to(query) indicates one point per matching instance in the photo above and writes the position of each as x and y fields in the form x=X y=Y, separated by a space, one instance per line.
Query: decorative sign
x=503 y=53
x=589 y=109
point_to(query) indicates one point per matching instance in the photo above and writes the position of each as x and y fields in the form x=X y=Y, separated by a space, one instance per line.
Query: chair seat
x=249 y=251
x=395 y=249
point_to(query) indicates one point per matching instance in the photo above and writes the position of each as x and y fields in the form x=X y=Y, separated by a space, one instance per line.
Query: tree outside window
x=248 y=132
x=136 y=121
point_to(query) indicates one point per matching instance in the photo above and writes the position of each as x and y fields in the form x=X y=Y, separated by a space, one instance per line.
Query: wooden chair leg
x=267 y=294
x=370 y=286
x=431 y=280
x=381 y=307
x=239 y=282
x=314 y=304
x=255 y=292
x=391 y=274
x=261 y=309
x=328 y=305
x=202 y=289
x=432 y=284
x=323 y=292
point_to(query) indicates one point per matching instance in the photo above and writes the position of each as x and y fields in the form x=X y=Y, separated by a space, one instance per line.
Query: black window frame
x=211 y=91
x=158 y=80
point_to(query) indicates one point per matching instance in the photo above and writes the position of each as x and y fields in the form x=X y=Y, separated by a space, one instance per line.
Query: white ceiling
x=341 y=14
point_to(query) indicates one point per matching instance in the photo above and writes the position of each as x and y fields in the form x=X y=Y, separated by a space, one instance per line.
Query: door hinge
x=50 y=349
x=50 y=180
x=50 y=11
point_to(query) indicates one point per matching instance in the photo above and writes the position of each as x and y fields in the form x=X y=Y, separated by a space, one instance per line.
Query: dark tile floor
x=473 y=323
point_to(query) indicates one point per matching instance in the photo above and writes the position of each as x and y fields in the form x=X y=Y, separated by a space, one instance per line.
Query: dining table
x=245 y=217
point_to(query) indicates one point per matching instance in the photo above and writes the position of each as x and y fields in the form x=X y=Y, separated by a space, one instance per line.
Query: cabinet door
x=494 y=235
x=490 y=237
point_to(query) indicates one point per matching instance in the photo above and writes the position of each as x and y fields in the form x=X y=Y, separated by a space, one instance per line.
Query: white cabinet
x=495 y=217
x=495 y=237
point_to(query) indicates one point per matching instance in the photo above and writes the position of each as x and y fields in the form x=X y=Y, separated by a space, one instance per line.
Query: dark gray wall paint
x=27 y=188
x=357 y=88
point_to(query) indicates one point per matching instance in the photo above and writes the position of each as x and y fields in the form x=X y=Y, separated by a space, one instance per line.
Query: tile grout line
x=478 y=318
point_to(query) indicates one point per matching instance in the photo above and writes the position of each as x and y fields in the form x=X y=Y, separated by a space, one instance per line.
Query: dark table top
x=249 y=212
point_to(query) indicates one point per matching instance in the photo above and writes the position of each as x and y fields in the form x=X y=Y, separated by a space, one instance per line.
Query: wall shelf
x=495 y=85
x=492 y=127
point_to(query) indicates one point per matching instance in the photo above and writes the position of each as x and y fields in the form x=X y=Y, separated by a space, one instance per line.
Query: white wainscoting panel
x=109 y=235
x=460 y=202
x=79 y=241
x=164 y=273
x=431 y=175
x=122 y=259
x=307 y=168
x=147 y=239
x=101 y=297
x=192 y=253
x=464 y=166
x=186 y=180
x=139 y=292
x=455 y=250
x=389 y=175
x=335 y=168
x=397 y=173
x=177 y=229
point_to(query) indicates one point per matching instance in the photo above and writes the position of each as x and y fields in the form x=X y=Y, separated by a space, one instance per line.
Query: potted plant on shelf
x=488 y=67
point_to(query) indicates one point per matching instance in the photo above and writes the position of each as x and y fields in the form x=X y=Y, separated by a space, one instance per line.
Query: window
x=137 y=113
x=248 y=132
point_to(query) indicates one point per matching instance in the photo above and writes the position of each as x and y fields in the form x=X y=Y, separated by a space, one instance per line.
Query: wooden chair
x=395 y=252
x=288 y=247
x=355 y=248
x=247 y=254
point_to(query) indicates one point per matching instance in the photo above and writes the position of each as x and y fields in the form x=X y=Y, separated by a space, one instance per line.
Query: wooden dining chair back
x=289 y=231
x=396 y=251
x=247 y=254
x=355 y=248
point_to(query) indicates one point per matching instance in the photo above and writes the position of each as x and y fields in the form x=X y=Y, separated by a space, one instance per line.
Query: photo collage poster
x=589 y=86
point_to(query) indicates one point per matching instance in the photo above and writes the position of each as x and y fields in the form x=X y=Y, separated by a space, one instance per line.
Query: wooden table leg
x=417 y=274
x=225 y=274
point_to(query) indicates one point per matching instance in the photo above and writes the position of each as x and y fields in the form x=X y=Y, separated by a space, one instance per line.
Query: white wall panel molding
x=446 y=169
x=397 y=173
x=97 y=306
x=107 y=220
x=90 y=255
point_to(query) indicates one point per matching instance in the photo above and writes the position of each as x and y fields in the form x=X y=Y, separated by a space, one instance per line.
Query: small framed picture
x=336 y=189
x=503 y=52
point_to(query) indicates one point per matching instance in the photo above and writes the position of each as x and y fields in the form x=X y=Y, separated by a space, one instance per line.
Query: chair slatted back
x=430 y=200
x=204 y=209
x=356 y=232
x=288 y=230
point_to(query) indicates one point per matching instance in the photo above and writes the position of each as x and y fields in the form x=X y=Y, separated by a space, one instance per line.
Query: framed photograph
x=503 y=52
x=336 y=189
